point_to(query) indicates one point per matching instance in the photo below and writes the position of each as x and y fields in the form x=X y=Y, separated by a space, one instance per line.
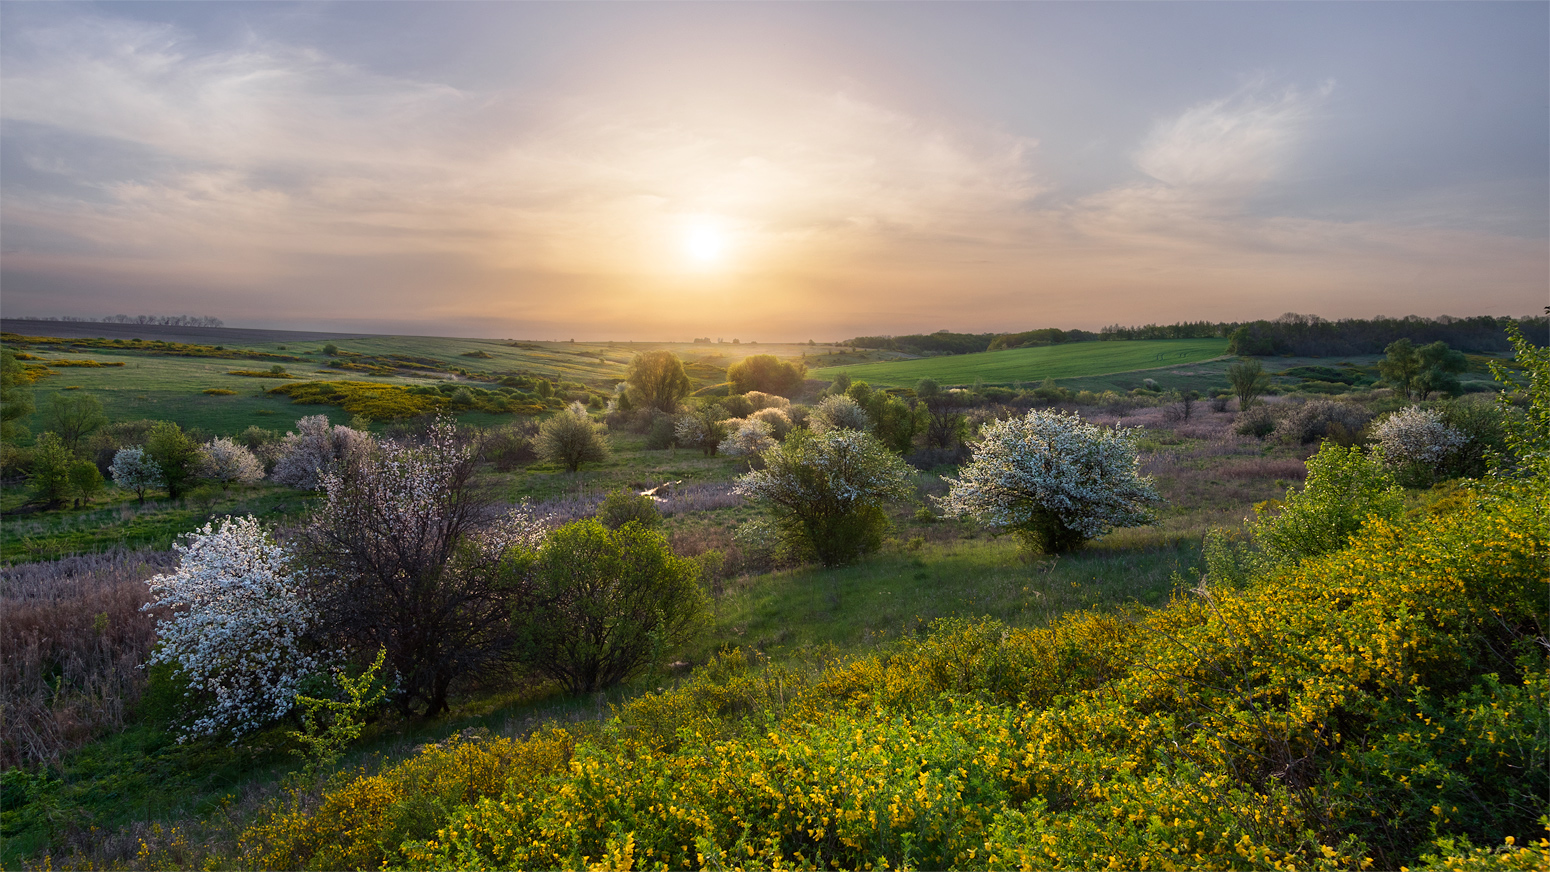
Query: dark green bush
x=601 y=605
x=622 y=507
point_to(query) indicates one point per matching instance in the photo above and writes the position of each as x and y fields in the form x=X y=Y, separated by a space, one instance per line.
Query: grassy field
x=1035 y=364
x=160 y=387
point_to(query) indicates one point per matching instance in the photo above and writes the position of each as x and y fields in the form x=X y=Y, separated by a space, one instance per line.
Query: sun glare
x=705 y=243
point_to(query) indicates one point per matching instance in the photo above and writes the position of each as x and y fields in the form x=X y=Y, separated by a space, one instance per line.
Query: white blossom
x=225 y=461
x=838 y=412
x=748 y=437
x=1052 y=466
x=1416 y=435
x=239 y=613
x=133 y=471
x=315 y=447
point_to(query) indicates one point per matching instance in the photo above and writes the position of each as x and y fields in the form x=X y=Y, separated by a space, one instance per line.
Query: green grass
x=124 y=522
x=851 y=609
x=172 y=388
x=1074 y=360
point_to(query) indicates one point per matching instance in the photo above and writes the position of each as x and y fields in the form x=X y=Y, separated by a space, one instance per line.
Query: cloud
x=1231 y=146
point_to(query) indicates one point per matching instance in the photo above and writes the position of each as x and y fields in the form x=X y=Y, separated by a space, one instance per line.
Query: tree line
x=1303 y=335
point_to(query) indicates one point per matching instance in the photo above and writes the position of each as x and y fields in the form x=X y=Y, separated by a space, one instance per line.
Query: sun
x=705 y=242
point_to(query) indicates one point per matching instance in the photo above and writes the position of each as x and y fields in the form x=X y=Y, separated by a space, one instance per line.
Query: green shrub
x=571 y=439
x=1345 y=488
x=622 y=507
x=601 y=605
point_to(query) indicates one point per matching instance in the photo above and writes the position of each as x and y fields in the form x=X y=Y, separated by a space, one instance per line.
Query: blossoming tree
x=239 y=615
x=133 y=471
x=406 y=553
x=225 y=461
x=1054 y=479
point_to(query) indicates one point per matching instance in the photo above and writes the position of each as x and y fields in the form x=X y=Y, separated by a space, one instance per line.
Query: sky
x=772 y=171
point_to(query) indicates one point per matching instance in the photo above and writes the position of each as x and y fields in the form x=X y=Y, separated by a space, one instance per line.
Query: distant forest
x=1301 y=335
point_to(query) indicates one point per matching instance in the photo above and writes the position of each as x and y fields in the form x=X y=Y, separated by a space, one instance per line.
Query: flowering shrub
x=703 y=428
x=758 y=400
x=749 y=437
x=240 y=612
x=315 y=447
x=779 y=421
x=1305 y=422
x=406 y=553
x=838 y=412
x=133 y=471
x=1416 y=435
x=827 y=491
x=1054 y=479
x=225 y=461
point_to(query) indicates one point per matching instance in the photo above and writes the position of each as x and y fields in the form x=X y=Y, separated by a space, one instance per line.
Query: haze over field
x=772 y=171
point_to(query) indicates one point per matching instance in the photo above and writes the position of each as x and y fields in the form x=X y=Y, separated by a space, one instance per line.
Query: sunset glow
x=835 y=169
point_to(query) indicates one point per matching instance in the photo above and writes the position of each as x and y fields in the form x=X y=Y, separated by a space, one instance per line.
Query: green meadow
x=1074 y=360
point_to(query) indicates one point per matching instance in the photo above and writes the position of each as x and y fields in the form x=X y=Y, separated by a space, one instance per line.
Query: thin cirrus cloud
x=276 y=183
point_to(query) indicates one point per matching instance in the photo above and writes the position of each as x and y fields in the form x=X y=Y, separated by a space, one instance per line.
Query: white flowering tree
x=406 y=552
x=1054 y=479
x=239 y=615
x=1417 y=435
x=748 y=437
x=315 y=447
x=225 y=461
x=827 y=492
x=132 y=470
x=838 y=412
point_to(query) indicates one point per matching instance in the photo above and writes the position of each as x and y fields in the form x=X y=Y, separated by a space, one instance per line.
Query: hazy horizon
x=774 y=172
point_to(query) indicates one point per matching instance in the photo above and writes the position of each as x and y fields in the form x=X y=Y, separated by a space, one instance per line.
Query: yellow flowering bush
x=1380 y=705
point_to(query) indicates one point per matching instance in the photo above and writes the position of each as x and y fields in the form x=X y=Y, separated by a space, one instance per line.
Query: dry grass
x=72 y=648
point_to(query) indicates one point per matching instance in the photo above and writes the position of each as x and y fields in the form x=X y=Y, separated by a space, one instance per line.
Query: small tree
x=225 y=461
x=316 y=447
x=239 y=616
x=1439 y=365
x=701 y=427
x=177 y=456
x=571 y=439
x=1249 y=382
x=406 y=553
x=1054 y=479
x=85 y=481
x=894 y=422
x=658 y=380
x=50 y=476
x=768 y=374
x=827 y=492
x=74 y=416
x=132 y=470
x=600 y=604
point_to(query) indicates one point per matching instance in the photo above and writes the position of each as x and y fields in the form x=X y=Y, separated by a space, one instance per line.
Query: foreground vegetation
x=1352 y=679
